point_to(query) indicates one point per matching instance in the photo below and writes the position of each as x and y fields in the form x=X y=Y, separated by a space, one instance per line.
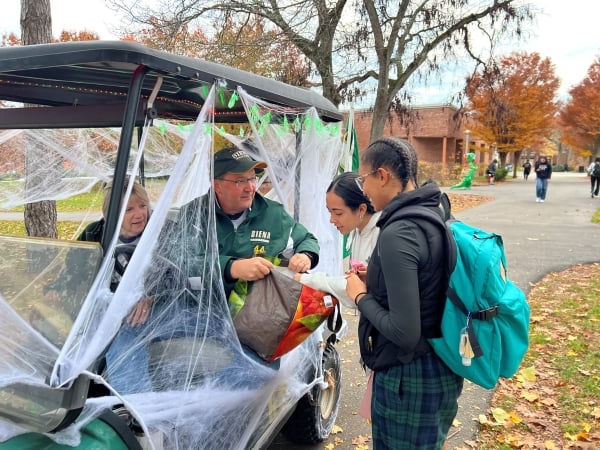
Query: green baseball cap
x=234 y=160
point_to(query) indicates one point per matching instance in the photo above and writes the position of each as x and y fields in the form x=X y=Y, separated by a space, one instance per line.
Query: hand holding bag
x=279 y=313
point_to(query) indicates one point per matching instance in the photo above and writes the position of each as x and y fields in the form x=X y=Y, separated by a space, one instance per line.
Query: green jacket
x=265 y=231
x=93 y=232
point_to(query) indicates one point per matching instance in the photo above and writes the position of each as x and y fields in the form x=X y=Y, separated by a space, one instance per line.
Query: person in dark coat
x=543 y=173
x=491 y=171
x=414 y=393
x=526 y=169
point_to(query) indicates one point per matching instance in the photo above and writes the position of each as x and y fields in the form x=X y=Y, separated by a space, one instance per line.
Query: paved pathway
x=539 y=238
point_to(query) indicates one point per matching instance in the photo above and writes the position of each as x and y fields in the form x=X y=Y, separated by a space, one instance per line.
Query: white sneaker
x=541 y=201
x=537 y=200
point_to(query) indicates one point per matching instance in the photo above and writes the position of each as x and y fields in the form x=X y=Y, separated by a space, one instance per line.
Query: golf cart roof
x=89 y=81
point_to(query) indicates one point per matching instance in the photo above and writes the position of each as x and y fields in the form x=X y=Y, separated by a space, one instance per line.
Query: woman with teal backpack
x=414 y=393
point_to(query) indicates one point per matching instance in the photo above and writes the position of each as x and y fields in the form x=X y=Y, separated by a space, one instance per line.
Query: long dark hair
x=345 y=186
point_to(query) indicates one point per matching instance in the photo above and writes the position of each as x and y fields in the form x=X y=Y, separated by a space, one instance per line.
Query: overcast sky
x=567 y=32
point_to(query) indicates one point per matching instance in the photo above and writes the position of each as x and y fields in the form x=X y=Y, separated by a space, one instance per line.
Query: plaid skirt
x=414 y=404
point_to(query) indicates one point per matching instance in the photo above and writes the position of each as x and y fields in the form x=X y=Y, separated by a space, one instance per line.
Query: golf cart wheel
x=315 y=414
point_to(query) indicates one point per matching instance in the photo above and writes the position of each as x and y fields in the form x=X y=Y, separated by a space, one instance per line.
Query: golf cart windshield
x=161 y=117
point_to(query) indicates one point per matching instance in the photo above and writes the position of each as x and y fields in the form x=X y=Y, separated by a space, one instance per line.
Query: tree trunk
x=380 y=110
x=502 y=156
x=36 y=22
x=40 y=217
x=517 y=160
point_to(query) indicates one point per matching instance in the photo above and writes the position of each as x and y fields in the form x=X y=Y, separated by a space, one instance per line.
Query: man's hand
x=251 y=269
x=299 y=262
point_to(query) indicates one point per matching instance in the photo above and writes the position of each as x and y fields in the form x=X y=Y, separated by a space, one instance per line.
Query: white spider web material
x=205 y=392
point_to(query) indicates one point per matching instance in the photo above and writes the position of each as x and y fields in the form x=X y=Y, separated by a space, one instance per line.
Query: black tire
x=315 y=414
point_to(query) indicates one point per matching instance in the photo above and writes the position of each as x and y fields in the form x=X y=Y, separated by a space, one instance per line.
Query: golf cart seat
x=185 y=360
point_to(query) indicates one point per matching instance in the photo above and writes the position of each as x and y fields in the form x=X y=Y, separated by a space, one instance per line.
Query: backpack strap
x=484 y=314
x=441 y=218
x=438 y=218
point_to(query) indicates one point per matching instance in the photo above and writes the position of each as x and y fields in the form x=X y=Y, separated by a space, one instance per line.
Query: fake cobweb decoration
x=203 y=391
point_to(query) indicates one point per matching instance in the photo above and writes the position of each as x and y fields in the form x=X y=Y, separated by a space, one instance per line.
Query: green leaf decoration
x=307 y=123
x=222 y=96
x=163 y=129
x=261 y=130
x=286 y=124
x=266 y=119
x=204 y=91
x=318 y=126
x=232 y=100
x=253 y=115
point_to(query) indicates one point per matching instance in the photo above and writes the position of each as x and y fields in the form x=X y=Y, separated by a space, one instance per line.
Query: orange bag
x=279 y=313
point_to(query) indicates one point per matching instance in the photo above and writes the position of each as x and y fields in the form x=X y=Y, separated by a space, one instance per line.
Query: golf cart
x=76 y=115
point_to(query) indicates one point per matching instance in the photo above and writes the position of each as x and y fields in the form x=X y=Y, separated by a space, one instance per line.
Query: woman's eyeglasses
x=360 y=180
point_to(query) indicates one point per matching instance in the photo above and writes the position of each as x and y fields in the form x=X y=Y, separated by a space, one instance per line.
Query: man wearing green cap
x=250 y=226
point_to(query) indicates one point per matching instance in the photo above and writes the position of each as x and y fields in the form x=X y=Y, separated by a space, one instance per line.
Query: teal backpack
x=485 y=324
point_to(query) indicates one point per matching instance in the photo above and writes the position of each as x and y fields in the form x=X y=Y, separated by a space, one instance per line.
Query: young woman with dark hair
x=353 y=215
x=414 y=393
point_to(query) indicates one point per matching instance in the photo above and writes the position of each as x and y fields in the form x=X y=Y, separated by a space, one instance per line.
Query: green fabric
x=413 y=405
x=265 y=232
x=240 y=290
x=93 y=232
x=97 y=435
x=346 y=250
x=468 y=178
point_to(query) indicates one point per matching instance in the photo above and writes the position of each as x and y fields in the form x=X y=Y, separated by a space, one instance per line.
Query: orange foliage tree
x=181 y=41
x=11 y=39
x=512 y=102
x=579 y=119
x=70 y=36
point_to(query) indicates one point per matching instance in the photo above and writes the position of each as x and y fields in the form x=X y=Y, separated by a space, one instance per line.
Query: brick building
x=436 y=132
